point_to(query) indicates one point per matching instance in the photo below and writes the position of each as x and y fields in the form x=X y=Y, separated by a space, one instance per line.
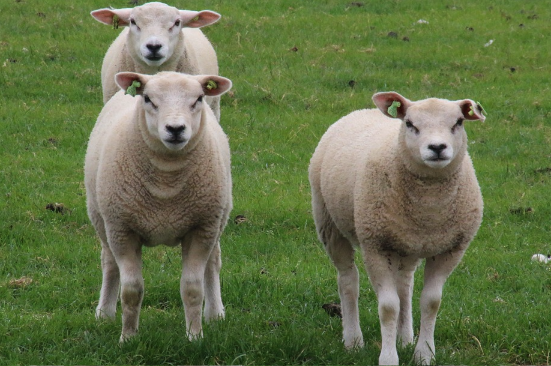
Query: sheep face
x=155 y=28
x=173 y=111
x=432 y=129
x=434 y=133
x=173 y=103
x=154 y=33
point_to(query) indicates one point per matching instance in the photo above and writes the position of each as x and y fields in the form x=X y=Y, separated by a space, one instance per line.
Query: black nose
x=438 y=148
x=154 y=48
x=175 y=130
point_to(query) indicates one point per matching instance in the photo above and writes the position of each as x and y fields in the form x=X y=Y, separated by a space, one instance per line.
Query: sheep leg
x=404 y=281
x=109 y=293
x=128 y=254
x=214 y=309
x=437 y=270
x=381 y=268
x=341 y=253
x=196 y=250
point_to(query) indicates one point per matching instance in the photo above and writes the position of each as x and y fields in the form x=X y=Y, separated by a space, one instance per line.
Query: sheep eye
x=412 y=127
x=133 y=22
x=176 y=24
x=148 y=100
x=199 y=100
x=458 y=124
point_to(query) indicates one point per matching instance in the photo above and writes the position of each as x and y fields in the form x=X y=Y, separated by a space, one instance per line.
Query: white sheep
x=157 y=171
x=401 y=189
x=158 y=37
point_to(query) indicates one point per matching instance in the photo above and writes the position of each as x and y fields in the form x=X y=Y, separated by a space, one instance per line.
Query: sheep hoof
x=125 y=337
x=104 y=314
x=424 y=357
x=354 y=344
x=195 y=337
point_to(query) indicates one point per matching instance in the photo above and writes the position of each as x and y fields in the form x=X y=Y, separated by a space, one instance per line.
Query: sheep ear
x=198 y=19
x=106 y=16
x=392 y=104
x=214 y=85
x=125 y=80
x=472 y=110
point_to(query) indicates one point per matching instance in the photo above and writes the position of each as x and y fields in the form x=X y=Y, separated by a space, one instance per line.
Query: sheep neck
x=429 y=200
x=163 y=173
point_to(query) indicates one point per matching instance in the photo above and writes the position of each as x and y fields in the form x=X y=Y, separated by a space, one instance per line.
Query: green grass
x=291 y=63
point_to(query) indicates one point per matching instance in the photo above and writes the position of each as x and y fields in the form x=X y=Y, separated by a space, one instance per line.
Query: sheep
x=401 y=190
x=157 y=38
x=157 y=171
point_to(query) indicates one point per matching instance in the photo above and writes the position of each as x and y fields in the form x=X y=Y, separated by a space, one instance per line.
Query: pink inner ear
x=223 y=85
x=194 y=19
x=385 y=100
x=104 y=16
x=471 y=111
x=124 y=80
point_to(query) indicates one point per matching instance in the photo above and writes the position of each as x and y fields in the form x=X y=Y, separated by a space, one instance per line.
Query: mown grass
x=297 y=67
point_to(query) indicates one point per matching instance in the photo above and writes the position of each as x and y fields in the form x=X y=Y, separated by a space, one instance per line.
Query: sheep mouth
x=175 y=144
x=175 y=140
x=154 y=58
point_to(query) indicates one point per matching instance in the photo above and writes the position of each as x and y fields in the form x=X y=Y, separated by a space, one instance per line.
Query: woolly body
x=376 y=186
x=149 y=183
x=187 y=51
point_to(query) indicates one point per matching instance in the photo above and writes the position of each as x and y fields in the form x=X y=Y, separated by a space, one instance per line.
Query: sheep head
x=432 y=129
x=155 y=28
x=173 y=103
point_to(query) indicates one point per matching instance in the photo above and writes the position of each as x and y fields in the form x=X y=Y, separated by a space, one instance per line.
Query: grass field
x=296 y=67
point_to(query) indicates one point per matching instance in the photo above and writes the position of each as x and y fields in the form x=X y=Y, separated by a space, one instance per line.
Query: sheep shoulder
x=196 y=47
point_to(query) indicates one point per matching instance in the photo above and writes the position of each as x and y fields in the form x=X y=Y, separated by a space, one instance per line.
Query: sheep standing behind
x=158 y=37
x=157 y=171
x=401 y=189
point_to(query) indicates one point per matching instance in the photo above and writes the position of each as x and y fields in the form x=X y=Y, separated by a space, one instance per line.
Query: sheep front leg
x=109 y=293
x=404 y=280
x=437 y=270
x=381 y=268
x=214 y=309
x=128 y=254
x=196 y=250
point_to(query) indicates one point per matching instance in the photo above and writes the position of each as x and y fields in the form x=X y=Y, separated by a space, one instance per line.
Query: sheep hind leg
x=109 y=293
x=214 y=309
x=437 y=270
x=341 y=253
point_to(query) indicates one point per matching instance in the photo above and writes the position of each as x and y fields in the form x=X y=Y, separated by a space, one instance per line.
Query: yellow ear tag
x=115 y=22
x=212 y=85
x=480 y=108
x=393 y=109
x=131 y=90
